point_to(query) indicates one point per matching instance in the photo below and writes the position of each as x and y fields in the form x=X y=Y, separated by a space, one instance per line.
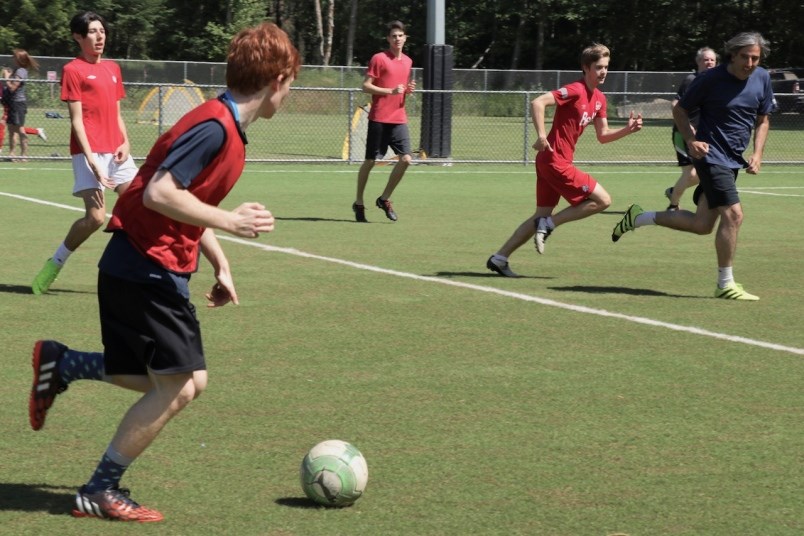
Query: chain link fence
x=323 y=119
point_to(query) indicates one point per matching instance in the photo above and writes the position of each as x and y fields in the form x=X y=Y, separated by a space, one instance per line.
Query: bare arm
x=760 y=135
x=125 y=148
x=224 y=290
x=607 y=135
x=537 y=108
x=697 y=149
x=165 y=195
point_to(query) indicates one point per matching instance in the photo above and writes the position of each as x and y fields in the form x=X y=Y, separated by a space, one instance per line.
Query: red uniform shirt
x=576 y=107
x=388 y=71
x=98 y=86
x=171 y=244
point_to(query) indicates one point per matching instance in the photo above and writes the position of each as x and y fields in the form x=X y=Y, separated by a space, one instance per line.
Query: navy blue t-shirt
x=728 y=111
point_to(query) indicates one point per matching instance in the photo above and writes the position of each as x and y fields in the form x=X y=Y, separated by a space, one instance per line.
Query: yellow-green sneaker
x=734 y=291
x=45 y=277
x=627 y=223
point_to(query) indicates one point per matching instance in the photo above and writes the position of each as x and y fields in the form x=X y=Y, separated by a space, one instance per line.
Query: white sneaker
x=41 y=133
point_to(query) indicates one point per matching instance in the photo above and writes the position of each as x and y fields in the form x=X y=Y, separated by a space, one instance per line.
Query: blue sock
x=76 y=365
x=109 y=471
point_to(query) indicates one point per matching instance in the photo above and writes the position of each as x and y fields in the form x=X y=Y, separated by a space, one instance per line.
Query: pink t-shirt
x=98 y=86
x=576 y=107
x=388 y=71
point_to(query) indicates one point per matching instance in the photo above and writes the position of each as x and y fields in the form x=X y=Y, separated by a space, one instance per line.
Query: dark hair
x=396 y=25
x=80 y=23
x=593 y=53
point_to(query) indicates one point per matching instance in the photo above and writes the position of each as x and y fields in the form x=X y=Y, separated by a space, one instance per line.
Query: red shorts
x=556 y=179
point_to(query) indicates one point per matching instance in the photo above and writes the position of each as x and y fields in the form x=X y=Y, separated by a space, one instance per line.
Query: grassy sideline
x=604 y=393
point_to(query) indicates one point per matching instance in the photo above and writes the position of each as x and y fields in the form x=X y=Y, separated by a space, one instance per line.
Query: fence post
x=349 y=125
x=526 y=136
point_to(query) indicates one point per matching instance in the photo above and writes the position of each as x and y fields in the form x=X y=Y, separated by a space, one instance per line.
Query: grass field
x=604 y=393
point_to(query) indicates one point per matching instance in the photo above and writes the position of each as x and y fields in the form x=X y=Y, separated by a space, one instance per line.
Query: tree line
x=644 y=35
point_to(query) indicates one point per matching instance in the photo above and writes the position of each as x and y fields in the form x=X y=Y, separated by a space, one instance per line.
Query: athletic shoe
x=627 y=223
x=114 y=504
x=503 y=270
x=46 y=382
x=360 y=213
x=387 y=207
x=41 y=133
x=46 y=276
x=672 y=207
x=542 y=232
x=734 y=291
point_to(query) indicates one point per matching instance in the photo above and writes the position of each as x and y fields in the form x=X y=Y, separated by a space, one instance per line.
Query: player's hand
x=251 y=219
x=100 y=176
x=411 y=86
x=542 y=145
x=398 y=90
x=754 y=163
x=222 y=292
x=634 y=123
x=122 y=152
x=698 y=149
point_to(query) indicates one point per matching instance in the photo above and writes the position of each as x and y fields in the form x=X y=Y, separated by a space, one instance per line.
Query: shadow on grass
x=26 y=289
x=56 y=500
x=298 y=502
x=621 y=290
x=314 y=219
x=488 y=274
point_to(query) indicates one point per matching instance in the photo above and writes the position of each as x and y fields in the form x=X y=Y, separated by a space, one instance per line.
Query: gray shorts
x=383 y=135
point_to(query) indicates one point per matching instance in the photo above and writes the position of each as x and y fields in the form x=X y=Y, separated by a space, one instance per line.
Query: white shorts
x=85 y=179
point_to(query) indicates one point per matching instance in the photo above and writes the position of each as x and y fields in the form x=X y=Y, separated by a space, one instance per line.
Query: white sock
x=724 y=276
x=498 y=259
x=646 y=218
x=61 y=255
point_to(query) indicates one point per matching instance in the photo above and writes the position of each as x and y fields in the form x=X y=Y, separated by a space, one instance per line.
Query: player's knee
x=95 y=220
x=405 y=159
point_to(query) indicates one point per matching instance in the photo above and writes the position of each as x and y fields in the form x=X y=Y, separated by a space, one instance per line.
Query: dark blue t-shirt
x=728 y=111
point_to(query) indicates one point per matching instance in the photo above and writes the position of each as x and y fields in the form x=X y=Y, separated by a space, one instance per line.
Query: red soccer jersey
x=388 y=71
x=98 y=86
x=576 y=107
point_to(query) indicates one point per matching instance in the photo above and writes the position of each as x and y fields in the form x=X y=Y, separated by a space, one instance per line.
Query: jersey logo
x=563 y=93
x=91 y=77
x=586 y=118
x=114 y=79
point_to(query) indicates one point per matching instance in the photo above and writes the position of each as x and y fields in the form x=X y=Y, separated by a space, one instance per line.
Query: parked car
x=787 y=90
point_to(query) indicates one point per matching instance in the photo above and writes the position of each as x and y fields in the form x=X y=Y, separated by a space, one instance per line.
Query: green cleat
x=627 y=223
x=46 y=276
x=734 y=291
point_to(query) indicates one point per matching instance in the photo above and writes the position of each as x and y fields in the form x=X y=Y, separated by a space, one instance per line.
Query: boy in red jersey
x=92 y=88
x=151 y=337
x=577 y=104
x=388 y=81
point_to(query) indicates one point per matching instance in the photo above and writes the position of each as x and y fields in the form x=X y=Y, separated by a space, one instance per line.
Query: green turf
x=478 y=412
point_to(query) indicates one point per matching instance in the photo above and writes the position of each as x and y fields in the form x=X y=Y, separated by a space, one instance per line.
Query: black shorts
x=718 y=183
x=681 y=149
x=16 y=113
x=147 y=327
x=380 y=136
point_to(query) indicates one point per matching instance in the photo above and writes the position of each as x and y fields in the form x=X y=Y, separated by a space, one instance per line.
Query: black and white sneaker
x=502 y=269
x=542 y=233
x=386 y=206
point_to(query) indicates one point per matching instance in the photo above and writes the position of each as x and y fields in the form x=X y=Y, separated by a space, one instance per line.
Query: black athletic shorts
x=380 y=136
x=718 y=183
x=147 y=326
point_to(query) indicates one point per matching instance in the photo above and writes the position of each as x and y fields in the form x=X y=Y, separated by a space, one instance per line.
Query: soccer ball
x=334 y=473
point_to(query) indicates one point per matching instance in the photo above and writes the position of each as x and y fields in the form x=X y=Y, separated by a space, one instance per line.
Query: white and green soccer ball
x=334 y=473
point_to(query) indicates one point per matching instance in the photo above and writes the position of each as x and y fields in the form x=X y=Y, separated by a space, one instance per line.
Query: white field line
x=480 y=288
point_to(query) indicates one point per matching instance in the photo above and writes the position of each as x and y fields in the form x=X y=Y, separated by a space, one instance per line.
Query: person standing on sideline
x=705 y=59
x=15 y=103
x=388 y=81
x=733 y=98
x=92 y=89
x=577 y=105
x=151 y=336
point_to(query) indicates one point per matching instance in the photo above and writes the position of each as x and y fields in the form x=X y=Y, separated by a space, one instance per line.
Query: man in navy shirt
x=733 y=99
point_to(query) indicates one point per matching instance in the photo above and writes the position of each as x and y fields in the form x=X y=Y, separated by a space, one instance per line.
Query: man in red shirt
x=577 y=104
x=388 y=81
x=167 y=217
x=92 y=89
